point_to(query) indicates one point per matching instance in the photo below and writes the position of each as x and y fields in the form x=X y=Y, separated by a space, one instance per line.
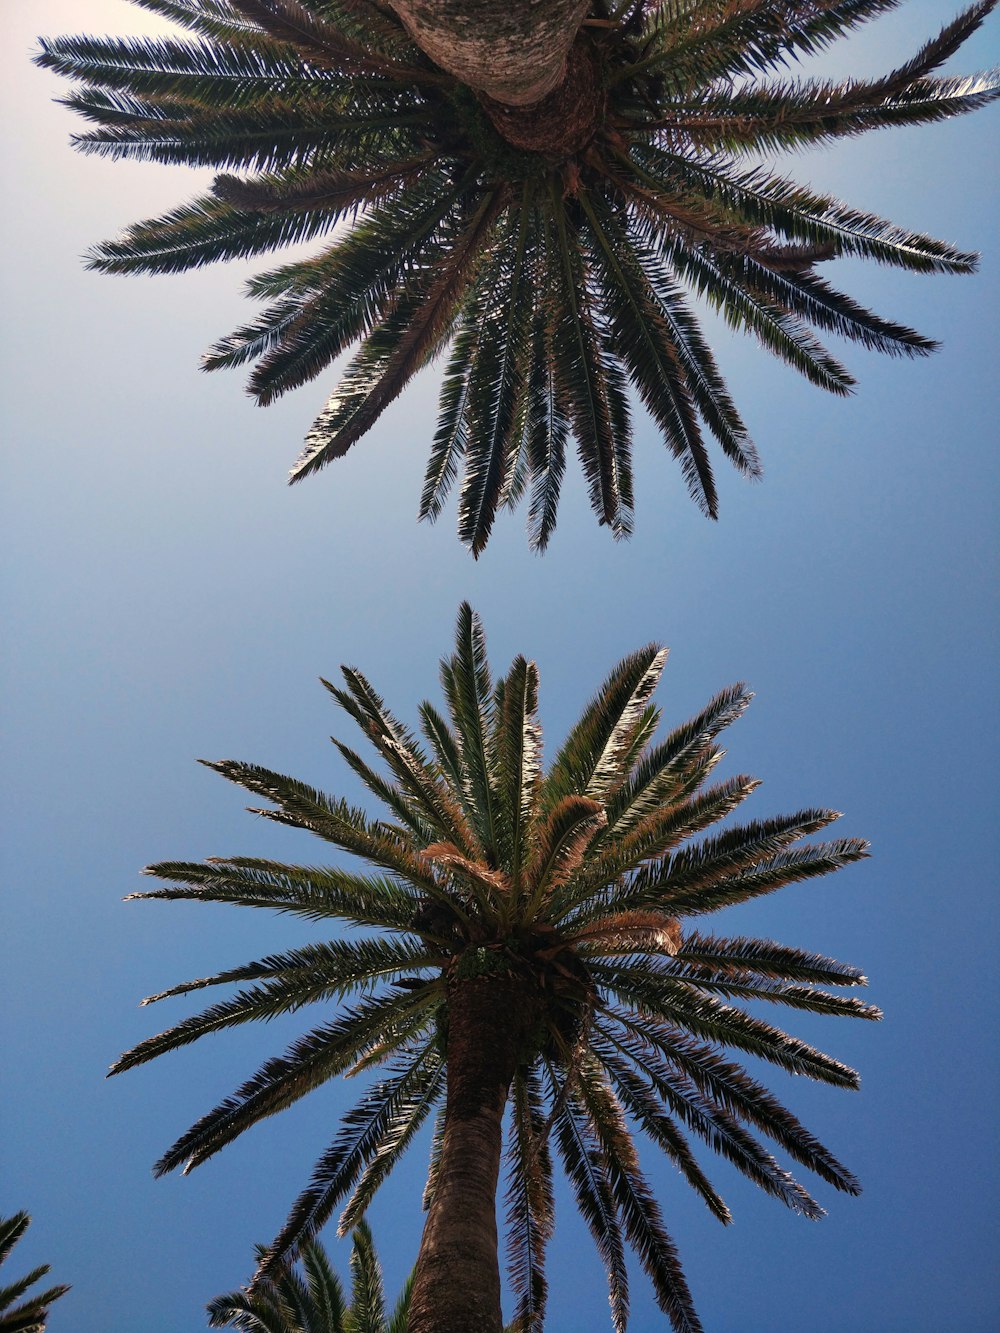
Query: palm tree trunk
x=456 y=1287
x=513 y=52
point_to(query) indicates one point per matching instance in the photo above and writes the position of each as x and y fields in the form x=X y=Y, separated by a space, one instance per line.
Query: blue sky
x=167 y=597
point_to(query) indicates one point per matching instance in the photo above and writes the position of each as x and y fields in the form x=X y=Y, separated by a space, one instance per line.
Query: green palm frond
x=586 y=1169
x=201 y=233
x=530 y=1203
x=547 y=430
x=410 y=1091
x=310 y=1298
x=413 y=1111
x=17 y=1315
x=367 y=1287
x=653 y=991
x=797 y=213
x=641 y=1098
x=749 y=38
x=637 y=1207
x=399 y=347
x=325 y=1289
x=319 y=38
x=496 y=389
x=555 y=271
x=309 y=1062
x=323 y=306
x=589 y=376
x=330 y=969
x=518 y=748
x=588 y=760
x=765 y=958
x=730 y=1088
x=723 y=1131
x=317 y=893
x=567 y=893
x=213 y=18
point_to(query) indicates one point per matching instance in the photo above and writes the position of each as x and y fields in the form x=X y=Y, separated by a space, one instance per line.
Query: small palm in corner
x=309 y=1297
x=29 y=1316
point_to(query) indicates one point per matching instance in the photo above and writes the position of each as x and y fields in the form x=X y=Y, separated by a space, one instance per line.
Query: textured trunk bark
x=514 y=51
x=456 y=1285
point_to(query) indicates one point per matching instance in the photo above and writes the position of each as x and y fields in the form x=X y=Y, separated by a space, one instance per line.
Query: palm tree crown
x=532 y=949
x=31 y=1315
x=311 y=1299
x=552 y=249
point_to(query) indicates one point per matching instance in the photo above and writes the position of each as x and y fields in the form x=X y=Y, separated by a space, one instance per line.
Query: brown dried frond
x=633 y=932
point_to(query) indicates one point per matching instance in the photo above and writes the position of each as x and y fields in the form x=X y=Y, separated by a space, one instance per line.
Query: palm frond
x=765 y=958
x=204 y=232
x=197 y=73
x=518 y=748
x=264 y=138
x=325 y=1289
x=638 y=1096
x=800 y=214
x=496 y=387
x=530 y=1202
x=652 y=991
x=730 y=1087
x=778 y=992
x=795 y=865
x=412 y=1113
x=316 y=893
x=213 y=18
x=333 y=967
x=587 y=1172
x=321 y=42
x=367 y=1286
x=589 y=761
x=346 y=294
x=652 y=837
x=389 y=793
x=663 y=775
x=720 y=1129
x=398 y=348
x=468 y=689
x=304 y=807
x=451 y=439
x=547 y=429
x=637 y=1206
x=584 y=369
x=28 y=1316
x=363 y=1131
x=641 y=335
x=560 y=846
x=728 y=39
x=281 y=1081
x=404 y=756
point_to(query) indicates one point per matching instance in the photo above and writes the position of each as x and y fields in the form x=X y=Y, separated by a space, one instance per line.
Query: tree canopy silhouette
x=535 y=946
x=549 y=248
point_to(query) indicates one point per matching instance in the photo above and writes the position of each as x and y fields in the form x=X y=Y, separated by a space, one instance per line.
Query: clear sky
x=168 y=597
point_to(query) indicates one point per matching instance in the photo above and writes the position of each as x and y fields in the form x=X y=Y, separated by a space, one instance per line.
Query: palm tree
x=312 y=1300
x=538 y=191
x=529 y=953
x=31 y=1316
